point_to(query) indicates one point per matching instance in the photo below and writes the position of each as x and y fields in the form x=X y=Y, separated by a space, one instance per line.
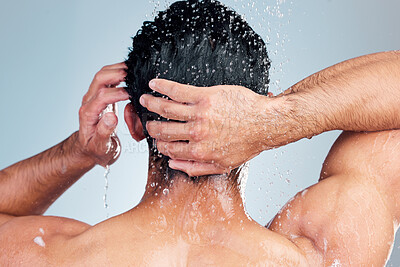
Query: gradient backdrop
x=50 y=51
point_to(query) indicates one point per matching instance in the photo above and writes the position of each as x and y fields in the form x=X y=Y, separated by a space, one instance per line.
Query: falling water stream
x=106 y=173
x=110 y=108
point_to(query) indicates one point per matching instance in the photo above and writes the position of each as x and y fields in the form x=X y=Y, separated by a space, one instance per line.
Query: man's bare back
x=348 y=218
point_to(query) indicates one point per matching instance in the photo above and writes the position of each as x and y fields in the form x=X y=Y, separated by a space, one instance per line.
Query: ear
x=134 y=124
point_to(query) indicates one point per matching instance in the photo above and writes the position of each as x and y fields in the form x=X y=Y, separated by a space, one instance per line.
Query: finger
x=179 y=92
x=170 y=131
x=120 y=65
x=104 y=97
x=106 y=126
x=181 y=150
x=89 y=113
x=105 y=78
x=103 y=141
x=193 y=168
x=102 y=136
x=167 y=108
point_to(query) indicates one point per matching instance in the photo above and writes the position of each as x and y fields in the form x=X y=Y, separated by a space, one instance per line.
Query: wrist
x=307 y=114
x=273 y=123
x=78 y=153
x=287 y=119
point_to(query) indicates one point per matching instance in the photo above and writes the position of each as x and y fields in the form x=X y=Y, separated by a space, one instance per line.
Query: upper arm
x=349 y=216
x=33 y=239
x=5 y=218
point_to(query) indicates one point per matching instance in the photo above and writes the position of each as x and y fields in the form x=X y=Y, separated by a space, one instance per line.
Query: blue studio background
x=50 y=51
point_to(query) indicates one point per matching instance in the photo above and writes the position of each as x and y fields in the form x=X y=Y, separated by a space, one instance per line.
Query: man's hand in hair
x=219 y=128
x=228 y=125
x=96 y=130
x=30 y=186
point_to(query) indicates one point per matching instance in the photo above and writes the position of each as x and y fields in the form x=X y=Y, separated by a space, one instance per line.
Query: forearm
x=361 y=94
x=31 y=186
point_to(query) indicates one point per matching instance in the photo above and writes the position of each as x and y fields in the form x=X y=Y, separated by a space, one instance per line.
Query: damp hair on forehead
x=201 y=43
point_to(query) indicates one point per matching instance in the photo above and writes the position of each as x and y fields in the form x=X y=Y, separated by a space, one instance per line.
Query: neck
x=189 y=203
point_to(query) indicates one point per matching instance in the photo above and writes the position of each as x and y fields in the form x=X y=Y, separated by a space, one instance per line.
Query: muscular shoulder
x=35 y=240
x=371 y=153
x=349 y=215
x=373 y=158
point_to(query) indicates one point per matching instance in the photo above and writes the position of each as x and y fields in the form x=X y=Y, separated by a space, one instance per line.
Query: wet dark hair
x=201 y=43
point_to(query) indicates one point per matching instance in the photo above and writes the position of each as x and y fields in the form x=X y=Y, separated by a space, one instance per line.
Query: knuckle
x=198 y=132
x=151 y=129
x=218 y=157
x=206 y=101
x=85 y=98
x=161 y=147
x=196 y=135
x=102 y=92
x=200 y=116
x=203 y=115
x=111 y=117
x=82 y=111
x=149 y=104
x=197 y=153
x=171 y=153
x=174 y=89
x=122 y=72
x=164 y=108
x=192 y=116
x=163 y=128
x=97 y=77
x=207 y=156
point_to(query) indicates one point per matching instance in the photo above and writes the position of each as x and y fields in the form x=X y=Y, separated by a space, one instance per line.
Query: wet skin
x=349 y=216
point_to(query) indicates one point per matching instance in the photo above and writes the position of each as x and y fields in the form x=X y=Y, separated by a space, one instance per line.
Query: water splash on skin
x=242 y=180
x=325 y=246
x=304 y=192
x=110 y=148
x=106 y=206
x=166 y=191
x=336 y=263
x=39 y=241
